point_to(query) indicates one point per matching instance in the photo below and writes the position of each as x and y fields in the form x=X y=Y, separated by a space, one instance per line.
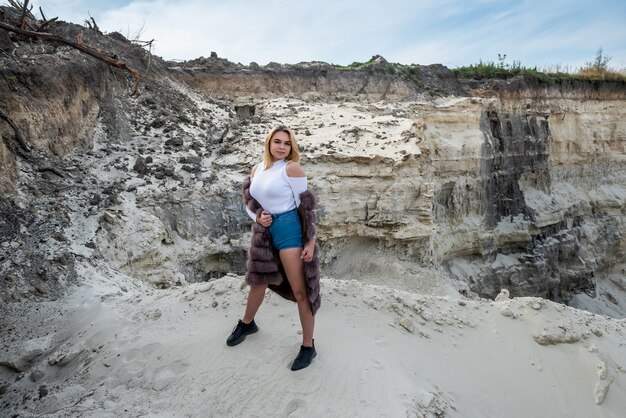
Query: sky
x=545 y=33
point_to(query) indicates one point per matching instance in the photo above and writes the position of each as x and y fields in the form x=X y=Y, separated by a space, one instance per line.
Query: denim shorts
x=286 y=230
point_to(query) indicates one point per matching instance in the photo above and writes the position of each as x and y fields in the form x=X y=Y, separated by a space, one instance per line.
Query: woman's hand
x=264 y=219
x=307 y=251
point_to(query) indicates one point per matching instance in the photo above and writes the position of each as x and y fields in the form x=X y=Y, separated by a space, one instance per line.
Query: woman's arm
x=297 y=180
x=294 y=170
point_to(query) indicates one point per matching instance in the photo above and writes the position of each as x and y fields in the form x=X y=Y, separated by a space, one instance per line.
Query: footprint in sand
x=378 y=364
x=169 y=374
x=380 y=340
x=297 y=405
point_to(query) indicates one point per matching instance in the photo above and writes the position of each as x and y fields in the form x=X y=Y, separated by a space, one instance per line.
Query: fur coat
x=264 y=265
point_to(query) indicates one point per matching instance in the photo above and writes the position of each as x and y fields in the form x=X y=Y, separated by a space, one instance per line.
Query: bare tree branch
x=49 y=37
x=45 y=23
x=19 y=7
x=95 y=25
x=22 y=22
x=18 y=133
x=43 y=16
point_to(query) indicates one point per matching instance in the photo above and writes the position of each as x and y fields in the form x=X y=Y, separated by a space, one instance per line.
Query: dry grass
x=608 y=74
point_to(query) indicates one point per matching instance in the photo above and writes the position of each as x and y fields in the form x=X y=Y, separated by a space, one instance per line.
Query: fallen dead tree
x=18 y=134
x=27 y=27
x=37 y=33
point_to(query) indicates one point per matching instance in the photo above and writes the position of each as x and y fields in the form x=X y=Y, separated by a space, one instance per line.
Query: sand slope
x=126 y=349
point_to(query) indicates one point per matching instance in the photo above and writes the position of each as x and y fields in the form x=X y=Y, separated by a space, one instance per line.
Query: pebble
x=43 y=288
x=508 y=312
x=407 y=324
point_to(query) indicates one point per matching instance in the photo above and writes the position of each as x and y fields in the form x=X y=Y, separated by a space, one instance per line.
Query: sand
x=123 y=348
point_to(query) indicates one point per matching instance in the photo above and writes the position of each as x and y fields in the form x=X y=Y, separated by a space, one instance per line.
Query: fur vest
x=264 y=265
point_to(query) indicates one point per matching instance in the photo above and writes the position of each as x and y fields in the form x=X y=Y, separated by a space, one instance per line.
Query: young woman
x=283 y=255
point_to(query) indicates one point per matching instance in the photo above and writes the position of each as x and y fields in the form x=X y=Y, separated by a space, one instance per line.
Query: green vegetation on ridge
x=597 y=69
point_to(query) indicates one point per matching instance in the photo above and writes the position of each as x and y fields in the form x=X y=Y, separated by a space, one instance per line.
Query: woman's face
x=280 y=145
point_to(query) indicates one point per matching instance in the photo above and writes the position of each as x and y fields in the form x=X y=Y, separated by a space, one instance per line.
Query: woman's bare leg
x=255 y=299
x=294 y=267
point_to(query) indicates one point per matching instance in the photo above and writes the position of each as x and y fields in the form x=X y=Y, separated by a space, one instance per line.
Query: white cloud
x=452 y=32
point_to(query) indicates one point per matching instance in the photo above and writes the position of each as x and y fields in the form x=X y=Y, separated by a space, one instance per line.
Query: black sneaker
x=304 y=358
x=240 y=331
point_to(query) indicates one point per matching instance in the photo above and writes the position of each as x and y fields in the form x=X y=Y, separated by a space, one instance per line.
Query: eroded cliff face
x=550 y=196
x=379 y=80
x=429 y=184
x=8 y=172
x=523 y=194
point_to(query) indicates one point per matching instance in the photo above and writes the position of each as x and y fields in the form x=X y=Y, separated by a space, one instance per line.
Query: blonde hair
x=294 y=154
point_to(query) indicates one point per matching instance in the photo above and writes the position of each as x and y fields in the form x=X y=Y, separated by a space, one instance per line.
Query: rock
x=407 y=324
x=174 y=142
x=508 y=312
x=43 y=288
x=6 y=44
x=600 y=391
x=36 y=375
x=64 y=356
x=190 y=159
x=602 y=370
x=140 y=165
x=59 y=237
x=553 y=335
x=245 y=111
x=43 y=391
x=426 y=315
x=65 y=258
x=191 y=168
x=503 y=295
x=21 y=356
x=109 y=217
x=204 y=287
x=157 y=123
x=375 y=301
x=95 y=199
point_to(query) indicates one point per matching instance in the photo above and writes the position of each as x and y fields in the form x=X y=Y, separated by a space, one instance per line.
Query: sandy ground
x=127 y=349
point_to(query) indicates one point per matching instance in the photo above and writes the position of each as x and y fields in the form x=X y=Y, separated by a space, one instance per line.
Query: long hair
x=294 y=154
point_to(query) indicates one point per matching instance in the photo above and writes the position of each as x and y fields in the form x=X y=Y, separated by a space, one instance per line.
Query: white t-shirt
x=274 y=190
